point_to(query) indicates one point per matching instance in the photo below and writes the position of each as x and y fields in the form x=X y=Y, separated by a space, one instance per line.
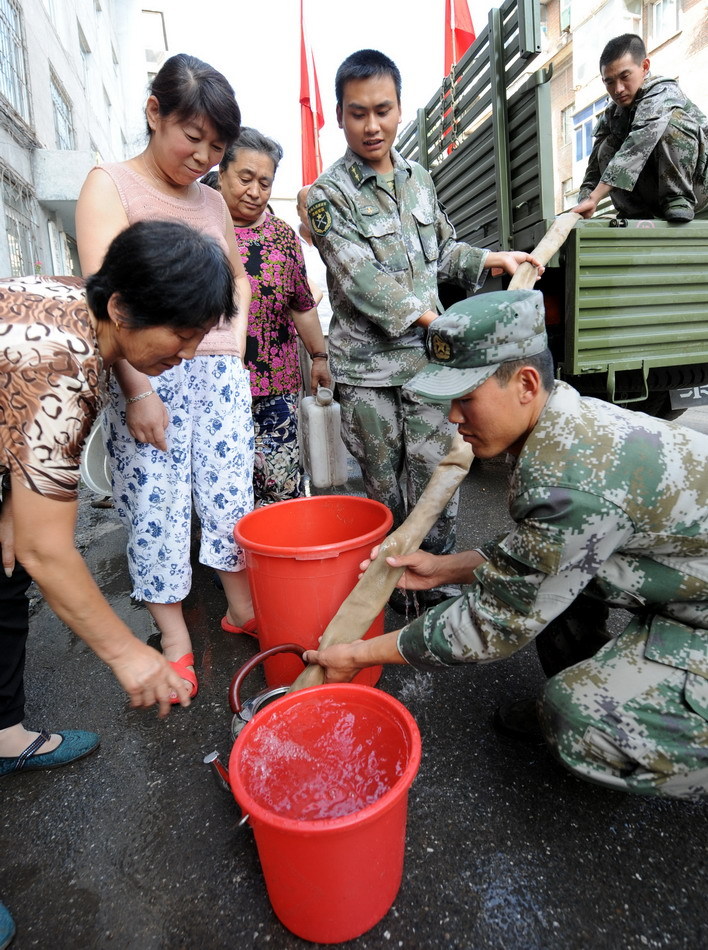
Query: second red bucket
x=302 y=559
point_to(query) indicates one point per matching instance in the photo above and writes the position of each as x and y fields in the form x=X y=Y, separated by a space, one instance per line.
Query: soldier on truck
x=651 y=143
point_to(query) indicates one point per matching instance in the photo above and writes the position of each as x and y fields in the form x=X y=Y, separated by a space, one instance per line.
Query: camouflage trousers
x=398 y=440
x=631 y=722
x=676 y=172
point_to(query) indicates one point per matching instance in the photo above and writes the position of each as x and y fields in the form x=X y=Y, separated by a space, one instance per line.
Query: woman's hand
x=147 y=421
x=148 y=678
x=320 y=375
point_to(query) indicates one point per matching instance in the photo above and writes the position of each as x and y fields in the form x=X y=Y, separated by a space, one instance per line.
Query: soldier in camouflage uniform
x=377 y=224
x=606 y=502
x=651 y=143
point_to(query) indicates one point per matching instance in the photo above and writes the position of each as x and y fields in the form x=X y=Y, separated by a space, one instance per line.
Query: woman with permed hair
x=159 y=291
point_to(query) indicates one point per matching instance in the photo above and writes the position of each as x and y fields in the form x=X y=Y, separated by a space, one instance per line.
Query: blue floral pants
x=209 y=462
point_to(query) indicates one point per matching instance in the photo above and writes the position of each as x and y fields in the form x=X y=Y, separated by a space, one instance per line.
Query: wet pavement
x=137 y=848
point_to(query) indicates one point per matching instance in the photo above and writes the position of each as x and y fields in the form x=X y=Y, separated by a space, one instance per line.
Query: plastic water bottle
x=324 y=453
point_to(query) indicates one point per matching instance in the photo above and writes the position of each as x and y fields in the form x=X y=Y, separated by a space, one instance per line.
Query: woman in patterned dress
x=159 y=290
x=282 y=308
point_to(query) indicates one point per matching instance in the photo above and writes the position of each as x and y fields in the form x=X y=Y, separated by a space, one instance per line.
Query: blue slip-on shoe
x=75 y=744
x=7 y=927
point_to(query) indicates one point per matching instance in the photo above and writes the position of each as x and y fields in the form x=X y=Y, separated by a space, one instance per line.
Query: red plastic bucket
x=302 y=560
x=323 y=775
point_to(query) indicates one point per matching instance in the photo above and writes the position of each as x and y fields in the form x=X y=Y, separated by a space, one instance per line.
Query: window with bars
x=21 y=228
x=13 y=70
x=63 y=118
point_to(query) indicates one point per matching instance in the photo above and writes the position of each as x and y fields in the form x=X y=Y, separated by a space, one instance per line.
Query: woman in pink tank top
x=185 y=437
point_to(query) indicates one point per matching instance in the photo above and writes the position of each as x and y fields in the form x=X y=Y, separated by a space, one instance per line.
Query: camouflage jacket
x=604 y=500
x=634 y=133
x=384 y=254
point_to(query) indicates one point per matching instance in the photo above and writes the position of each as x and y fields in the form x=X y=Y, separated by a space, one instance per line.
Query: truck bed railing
x=502 y=194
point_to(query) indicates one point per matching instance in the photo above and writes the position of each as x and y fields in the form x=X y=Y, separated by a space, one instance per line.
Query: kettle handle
x=242 y=673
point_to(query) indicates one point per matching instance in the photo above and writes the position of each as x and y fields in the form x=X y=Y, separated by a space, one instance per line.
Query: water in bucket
x=338 y=765
x=323 y=775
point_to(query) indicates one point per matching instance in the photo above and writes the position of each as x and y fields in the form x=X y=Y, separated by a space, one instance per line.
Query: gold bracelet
x=144 y=395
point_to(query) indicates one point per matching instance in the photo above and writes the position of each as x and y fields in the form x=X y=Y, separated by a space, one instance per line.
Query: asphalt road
x=136 y=848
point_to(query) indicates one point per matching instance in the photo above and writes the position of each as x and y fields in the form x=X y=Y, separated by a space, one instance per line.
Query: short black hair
x=542 y=361
x=165 y=274
x=365 y=64
x=255 y=141
x=620 y=46
x=186 y=87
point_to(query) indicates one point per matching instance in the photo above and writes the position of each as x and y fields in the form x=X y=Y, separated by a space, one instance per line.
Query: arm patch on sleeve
x=320 y=217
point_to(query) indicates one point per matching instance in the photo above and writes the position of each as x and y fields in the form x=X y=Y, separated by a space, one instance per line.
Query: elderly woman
x=189 y=433
x=282 y=307
x=160 y=289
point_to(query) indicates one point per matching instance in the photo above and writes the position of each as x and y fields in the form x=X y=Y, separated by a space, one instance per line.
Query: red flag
x=459 y=36
x=459 y=32
x=311 y=115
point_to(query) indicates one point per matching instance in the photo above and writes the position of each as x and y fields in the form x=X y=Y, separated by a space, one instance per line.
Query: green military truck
x=626 y=301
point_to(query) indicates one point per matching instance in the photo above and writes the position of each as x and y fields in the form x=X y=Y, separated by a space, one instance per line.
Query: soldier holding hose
x=610 y=506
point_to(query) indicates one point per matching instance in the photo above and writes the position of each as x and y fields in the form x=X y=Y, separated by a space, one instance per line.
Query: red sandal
x=181 y=666
x=249 y=628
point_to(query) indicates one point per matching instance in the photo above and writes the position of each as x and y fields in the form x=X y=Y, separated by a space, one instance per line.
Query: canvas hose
x=373 y=589
x=550 y=244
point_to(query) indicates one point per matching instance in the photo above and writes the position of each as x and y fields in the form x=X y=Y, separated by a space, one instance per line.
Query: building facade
x=73 y=80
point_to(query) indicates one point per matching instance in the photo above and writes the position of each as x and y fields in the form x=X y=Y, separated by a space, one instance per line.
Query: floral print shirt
x=49 y=382
x=273 y=260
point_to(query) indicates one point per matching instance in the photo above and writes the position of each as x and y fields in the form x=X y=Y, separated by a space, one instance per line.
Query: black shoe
x=519 y=720
x=678 y=210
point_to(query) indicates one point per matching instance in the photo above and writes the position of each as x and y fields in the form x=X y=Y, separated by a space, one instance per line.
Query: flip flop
x=181 y=666
x=249 y=628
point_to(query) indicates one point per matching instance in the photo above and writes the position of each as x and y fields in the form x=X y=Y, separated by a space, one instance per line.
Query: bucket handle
x=242 y=673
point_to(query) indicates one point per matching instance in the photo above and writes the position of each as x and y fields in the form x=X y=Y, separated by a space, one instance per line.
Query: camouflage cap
x=467 y=343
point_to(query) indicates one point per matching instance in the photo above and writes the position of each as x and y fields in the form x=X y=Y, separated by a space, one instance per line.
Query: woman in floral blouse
x=282 y=308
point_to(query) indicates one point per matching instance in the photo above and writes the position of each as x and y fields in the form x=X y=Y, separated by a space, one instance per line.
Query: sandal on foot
x=75 y=744
x=249 y=628
x=181 y=666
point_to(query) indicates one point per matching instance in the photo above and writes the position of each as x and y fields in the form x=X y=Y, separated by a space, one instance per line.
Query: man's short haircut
x=542 y=361
x=366 y=64
x=165 y=274
x=620 y=46
x=254 y=141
